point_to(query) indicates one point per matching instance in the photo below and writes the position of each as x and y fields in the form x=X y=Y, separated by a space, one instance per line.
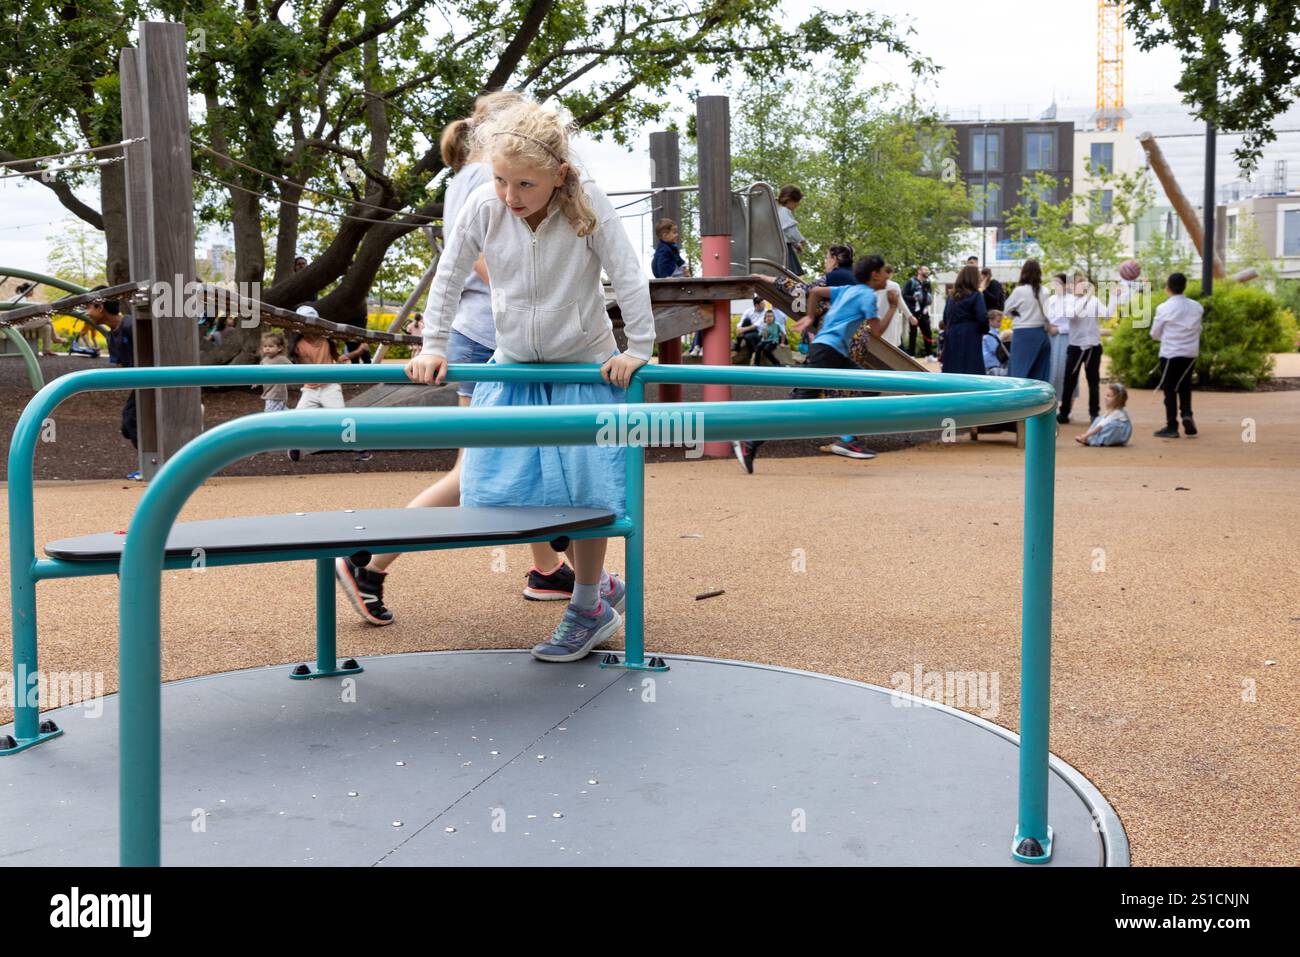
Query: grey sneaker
x=577 y=634
x=617 y=594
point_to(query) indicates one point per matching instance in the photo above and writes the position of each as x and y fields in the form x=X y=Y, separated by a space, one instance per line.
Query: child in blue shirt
x=668 y=259
x=850 y=307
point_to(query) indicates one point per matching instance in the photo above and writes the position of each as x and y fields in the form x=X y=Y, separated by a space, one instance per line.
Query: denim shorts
x=461 y=348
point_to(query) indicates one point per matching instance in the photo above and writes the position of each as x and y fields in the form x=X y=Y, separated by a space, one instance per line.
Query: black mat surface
x=345 y=528
x=494 y=758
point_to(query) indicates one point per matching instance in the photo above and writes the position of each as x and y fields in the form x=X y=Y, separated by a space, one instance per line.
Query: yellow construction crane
x=1110 y=65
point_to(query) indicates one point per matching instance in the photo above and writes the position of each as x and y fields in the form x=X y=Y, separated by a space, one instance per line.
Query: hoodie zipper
x=533 y=297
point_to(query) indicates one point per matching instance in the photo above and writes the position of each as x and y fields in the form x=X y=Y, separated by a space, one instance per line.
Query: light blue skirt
x=588 y=476
x=1060 y=343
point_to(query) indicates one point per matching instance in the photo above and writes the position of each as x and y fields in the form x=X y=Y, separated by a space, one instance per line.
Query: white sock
x=604 y=581
x=585 y=597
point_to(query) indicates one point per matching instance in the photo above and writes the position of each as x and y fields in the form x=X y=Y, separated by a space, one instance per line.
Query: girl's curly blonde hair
x=457 y=143
x=528 y=133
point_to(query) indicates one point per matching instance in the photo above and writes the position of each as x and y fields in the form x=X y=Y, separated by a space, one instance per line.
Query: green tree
x=1091 y=242
x=874 y=175
x=1241 y=60
x=349 y=98
x=869 y=160
x=1160 y=256
x=77 y=254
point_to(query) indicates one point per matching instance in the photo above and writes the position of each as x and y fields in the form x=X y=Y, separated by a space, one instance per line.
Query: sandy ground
x=1176 y=629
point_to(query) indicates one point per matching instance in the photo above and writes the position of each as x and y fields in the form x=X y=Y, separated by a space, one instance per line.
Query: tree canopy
x=1241 y=60
x=349 y=98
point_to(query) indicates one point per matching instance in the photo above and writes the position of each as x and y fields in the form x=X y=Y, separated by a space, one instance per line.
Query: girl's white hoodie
x=547 y=300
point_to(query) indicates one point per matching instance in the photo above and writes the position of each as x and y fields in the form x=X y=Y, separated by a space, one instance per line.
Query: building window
x=1039 y=151
x=1232 y=229
x=1291 y=232
x=986 y=150
x=989 y=200
x=1099 y=205
x=1047 y=195
x=1103 y=157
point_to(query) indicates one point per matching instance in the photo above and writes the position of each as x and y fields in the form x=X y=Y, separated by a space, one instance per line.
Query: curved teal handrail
x=944 y=401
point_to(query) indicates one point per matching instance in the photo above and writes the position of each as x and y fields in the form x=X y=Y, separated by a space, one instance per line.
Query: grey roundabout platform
x=454 y=758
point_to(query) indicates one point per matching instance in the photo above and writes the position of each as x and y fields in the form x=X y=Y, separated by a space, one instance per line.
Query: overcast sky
x=993 y=60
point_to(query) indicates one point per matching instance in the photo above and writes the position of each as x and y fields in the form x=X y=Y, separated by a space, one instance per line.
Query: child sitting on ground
x=1114 y=426
x=274 y=397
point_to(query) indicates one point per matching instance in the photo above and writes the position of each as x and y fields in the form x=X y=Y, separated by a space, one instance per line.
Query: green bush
x=1243 y=325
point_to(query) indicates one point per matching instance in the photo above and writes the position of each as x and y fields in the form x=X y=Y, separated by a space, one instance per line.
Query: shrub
x=1243 y=325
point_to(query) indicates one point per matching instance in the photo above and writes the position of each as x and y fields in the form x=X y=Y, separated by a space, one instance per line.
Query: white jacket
x=896 y=331
x=1178 y=327
x=547 y=300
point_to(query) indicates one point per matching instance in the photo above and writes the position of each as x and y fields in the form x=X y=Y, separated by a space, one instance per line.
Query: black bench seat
x=362 y=529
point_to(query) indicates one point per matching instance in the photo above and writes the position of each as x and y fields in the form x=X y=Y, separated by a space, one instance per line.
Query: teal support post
x=1033 y=838
x=327 y=662
x=326 y=624
x=634 y=550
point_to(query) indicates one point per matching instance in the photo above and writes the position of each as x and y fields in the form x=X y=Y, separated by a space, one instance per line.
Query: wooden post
x=169 y=224
x=713 y=135
x=1177 y=199
x=665 y=170
x=137 y=179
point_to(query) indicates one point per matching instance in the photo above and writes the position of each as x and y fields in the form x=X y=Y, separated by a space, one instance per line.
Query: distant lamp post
x=984 y=199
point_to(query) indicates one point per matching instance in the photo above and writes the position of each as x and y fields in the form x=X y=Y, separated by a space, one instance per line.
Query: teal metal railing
x=922 y=401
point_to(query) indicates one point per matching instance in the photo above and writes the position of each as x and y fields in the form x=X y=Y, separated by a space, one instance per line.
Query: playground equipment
x=16 y=324
x=154 y=543
x=739 y=233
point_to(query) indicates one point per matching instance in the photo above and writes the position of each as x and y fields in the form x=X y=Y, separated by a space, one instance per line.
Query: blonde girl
x=546 y=232
x=472 y=340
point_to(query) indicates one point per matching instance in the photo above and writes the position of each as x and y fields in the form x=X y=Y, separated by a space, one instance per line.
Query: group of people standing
x=1056 y=337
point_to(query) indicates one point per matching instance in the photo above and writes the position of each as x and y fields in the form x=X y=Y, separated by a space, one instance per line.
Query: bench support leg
x=327 y=663
x=634 y=658
x=29 y=729
x=1032 y=843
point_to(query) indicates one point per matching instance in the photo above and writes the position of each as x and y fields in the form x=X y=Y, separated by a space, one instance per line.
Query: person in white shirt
x=749 y=331
x=1177 y=327
x=1027 y=307
x=891 y=304
x=1084 y=351
x=1060 y=306
x=787 y=201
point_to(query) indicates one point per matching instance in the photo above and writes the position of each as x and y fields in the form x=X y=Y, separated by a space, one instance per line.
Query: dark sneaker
x=365 y=589
x=552 y=586
x=850 y=450
x=577 y=633
x=1167 y=433
x=294 y=455
x=1063 y=419
x=363 y=456
x=1189 y=427
x=744 y=455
